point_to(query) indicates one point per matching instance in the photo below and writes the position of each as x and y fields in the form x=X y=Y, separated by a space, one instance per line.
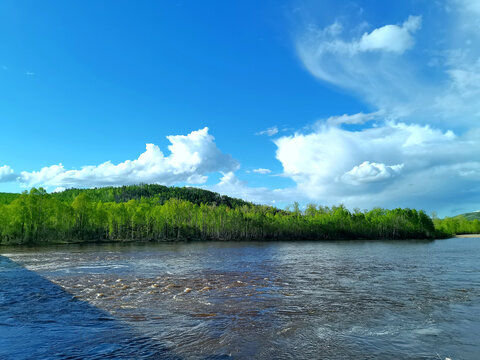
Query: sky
x=361 y=103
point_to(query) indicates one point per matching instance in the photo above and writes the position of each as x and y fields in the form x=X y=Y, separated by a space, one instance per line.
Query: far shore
x=468 y=236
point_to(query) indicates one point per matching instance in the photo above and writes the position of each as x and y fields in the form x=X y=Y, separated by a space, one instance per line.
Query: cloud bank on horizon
x=418 y=147
x=191 y=158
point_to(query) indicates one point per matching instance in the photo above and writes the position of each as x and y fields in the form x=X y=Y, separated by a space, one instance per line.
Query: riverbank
x=205 y=240
x=468 y=236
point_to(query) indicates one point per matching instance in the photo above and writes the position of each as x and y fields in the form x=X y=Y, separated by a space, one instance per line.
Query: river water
x=219 y=300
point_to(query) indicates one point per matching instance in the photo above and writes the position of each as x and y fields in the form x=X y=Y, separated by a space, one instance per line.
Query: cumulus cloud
x=262 y=171
x=232 y=186
x=192 y=157
x=7 y=174
x=388 y=38
x=370 y=172
x=393 y=38
x=392 y=163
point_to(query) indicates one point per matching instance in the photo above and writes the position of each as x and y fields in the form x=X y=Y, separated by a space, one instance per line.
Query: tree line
x=39 y=217
x=457 y=225
x=124 y=193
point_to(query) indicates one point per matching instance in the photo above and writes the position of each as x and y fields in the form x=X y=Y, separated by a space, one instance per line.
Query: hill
x=7 y=198
x=471 y=216
x=160 y=213
x=136 y=192
x=468 y=223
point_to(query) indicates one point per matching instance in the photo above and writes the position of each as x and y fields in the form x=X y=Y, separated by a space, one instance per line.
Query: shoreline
x=192 y=240
x=468 y=236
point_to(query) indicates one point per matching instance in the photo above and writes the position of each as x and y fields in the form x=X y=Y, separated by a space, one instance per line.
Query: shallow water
x=298 y=300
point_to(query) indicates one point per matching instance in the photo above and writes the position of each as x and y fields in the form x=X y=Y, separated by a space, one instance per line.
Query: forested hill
x=135 y=192
x=7 y=198
x=468 y=223
x=159 y=213
x=471 y=216
x=103 y=215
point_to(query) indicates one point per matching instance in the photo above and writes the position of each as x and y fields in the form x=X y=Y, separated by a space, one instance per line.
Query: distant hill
x=471 y=216
x=7 y=198
x=126 y=193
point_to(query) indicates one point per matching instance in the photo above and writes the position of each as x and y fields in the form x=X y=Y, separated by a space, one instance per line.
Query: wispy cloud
x=29 y=73
x=262 y=171
x=437 y=81
x=355 y=119
x=371 y=65
x=269 y=132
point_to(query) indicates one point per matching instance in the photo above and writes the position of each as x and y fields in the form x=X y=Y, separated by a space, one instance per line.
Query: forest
x=457 y=225
x=159 y=213
x=136 y=192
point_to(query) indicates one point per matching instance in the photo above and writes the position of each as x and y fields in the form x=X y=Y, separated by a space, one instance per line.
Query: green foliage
x=159 y=192
x=458 y=225
x=144 y=213
x=7 y=198
x=471 y=216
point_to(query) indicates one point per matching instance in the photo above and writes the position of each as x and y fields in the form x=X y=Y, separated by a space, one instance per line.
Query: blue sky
x=364 y=103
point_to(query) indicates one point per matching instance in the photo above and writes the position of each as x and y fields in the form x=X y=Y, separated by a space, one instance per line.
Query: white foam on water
x=428 y=331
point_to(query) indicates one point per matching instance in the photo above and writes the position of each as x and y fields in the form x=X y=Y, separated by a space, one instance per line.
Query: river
x=242 y=300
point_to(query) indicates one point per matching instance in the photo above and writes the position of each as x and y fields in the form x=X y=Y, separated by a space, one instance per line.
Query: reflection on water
x=385 y=300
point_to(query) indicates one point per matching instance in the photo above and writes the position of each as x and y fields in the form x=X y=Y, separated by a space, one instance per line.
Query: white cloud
x=422 y=147
x=356 y=119
x=262 y=171
x=192 y=157
x=230 y=185
x=7 y=174
x=269 y=132
x=436 y=82
x=370 y=172
x=388 y=165
x=391 y=38
x=369 y=64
